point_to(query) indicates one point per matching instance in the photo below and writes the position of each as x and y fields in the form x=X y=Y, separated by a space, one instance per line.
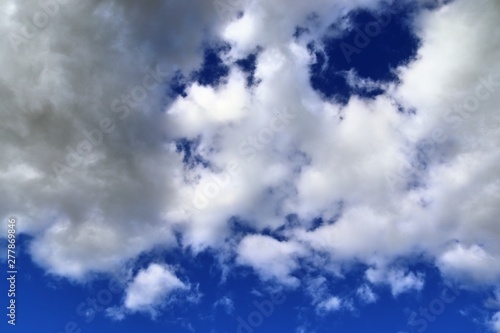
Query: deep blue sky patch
x=377 y=43
x=213 y=69
x=248 y=66
x=188 y=149
x=177 y=86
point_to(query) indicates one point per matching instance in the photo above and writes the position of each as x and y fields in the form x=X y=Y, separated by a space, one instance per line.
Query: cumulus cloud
x=398 y=280
x=150 y=288
x=472 y=263
x=85 y=140
x=410 y=172
x=272 y=259
x=445 y=150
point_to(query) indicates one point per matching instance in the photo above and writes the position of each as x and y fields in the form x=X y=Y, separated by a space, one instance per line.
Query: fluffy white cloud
x=272 y=259
x=472 y=263
x=398 y=280
x=448 y=145
x=91 y=81
x=275 y=150
x=150 y=288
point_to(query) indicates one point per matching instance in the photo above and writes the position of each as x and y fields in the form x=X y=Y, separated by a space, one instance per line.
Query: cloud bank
x=94 y=174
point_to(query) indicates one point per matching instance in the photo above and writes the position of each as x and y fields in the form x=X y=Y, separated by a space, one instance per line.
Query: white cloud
x=495 y=322
x=457 y=200
x=331 y=304
x=494 y=302
x=128 y=195
x=318 y=290
x=226 y=304
x=272 y=259
x=470 y=263
x=111 y=207
x=115 y=313
x=366 y=294
x=398 y=280
x=151 y=288
x=207 y=107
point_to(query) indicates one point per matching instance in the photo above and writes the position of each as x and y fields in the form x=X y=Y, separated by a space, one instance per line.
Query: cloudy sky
x=251 y=165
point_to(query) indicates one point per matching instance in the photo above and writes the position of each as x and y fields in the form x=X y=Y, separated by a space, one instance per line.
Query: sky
x=250 y=166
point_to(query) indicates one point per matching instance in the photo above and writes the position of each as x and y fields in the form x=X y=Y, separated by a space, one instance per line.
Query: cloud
x=410 y=173
x=331 y=304
x=324 y=302
x=495 y=322
x=494 y=302
x=398 y=280
x=414 y=188
x=151 y=288
x=366 y=294
x=226 y=304
x=472 y=263
x=115 y=313
x=93 y=66
x=271 y=259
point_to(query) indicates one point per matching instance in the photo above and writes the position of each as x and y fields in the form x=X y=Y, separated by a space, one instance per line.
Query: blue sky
x=49 y=304
x=252 y=166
